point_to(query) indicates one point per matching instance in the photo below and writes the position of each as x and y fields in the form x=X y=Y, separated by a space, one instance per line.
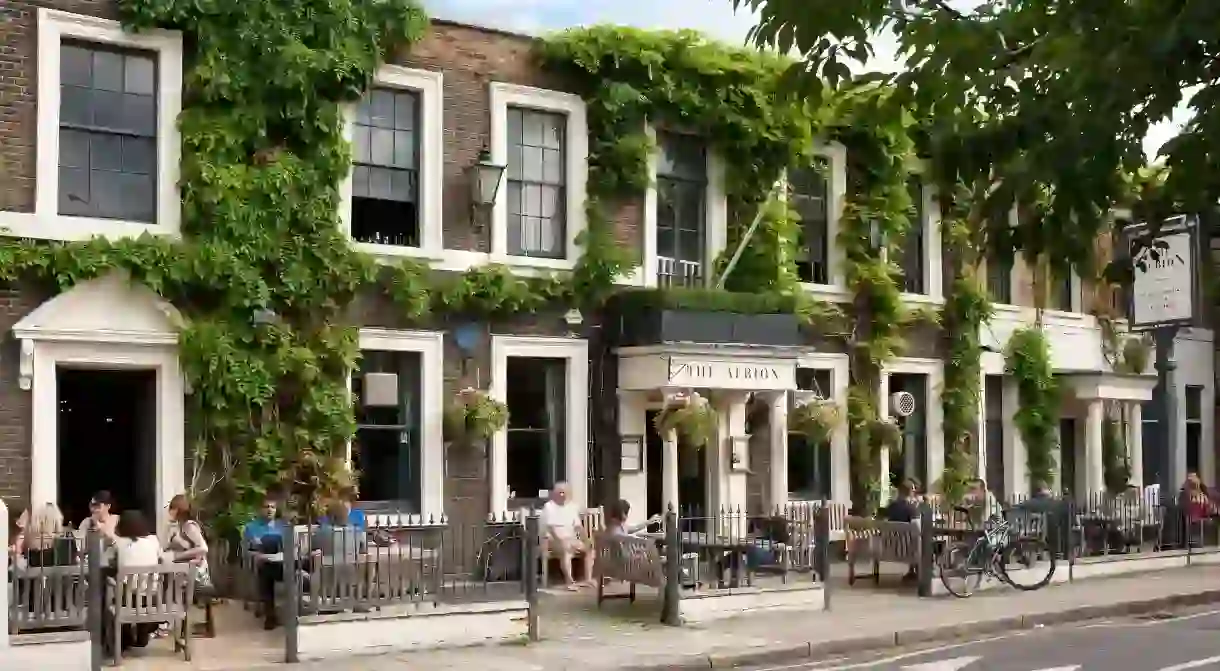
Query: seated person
x=905 y=508
x=355 y=516
x=770 y=534
x=338 y=537
x=44 y=542
x=562 y=527
x=263 y=537
x=135 y=546
x=616 y=520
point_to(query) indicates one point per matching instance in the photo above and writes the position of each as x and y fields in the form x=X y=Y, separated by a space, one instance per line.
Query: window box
x=714 y=317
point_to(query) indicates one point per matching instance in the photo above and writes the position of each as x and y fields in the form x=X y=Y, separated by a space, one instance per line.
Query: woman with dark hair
x=134 y=542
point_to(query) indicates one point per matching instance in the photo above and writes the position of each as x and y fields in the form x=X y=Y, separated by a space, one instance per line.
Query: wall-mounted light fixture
x=485 y=177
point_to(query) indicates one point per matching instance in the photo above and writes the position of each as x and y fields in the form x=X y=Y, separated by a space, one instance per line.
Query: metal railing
x=679 y=273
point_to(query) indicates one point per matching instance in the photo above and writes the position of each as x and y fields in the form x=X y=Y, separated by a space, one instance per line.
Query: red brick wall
x=14 y=402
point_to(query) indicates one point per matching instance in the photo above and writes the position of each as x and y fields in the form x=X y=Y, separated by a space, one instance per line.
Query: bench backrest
x=153 y=593
x=43 y=597
x=882 y=540
x=630 y=559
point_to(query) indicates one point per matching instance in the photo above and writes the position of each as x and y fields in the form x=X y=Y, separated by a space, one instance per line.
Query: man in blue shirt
x=355 y=516
x=263 y=538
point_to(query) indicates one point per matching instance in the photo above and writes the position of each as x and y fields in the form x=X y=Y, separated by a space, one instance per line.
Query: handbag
x=203 y=573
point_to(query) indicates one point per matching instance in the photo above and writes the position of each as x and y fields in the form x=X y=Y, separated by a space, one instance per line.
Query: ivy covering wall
x=262 y=159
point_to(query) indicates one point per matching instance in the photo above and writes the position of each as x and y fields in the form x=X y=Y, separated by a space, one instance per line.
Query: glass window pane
x=139 y=114
x=552 y=167
x=73 y=191
x=136 y=193
x=75 y=106
x=73 y=149
x=139 y=156
x=404 y=149
x=106 y=190
x=531 y=132
x=107 y=71
x=531 y=163
x=404 y=111
x=360 y=181
x=106 y=152
x=139 y=75
x=382 y=147
x=364 y=110
x=382 y=109
x=402 y=185
x=75 y=66
x=380 y=181
x=108 y=110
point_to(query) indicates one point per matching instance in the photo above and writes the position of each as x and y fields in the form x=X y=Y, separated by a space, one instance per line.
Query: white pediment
x=108 y=309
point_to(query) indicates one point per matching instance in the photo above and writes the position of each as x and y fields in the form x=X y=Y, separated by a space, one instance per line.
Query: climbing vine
x=875 y=219
x=681 y=81
x=1028 y=361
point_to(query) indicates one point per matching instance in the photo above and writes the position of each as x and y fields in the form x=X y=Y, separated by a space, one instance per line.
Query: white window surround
x=839 y=366
x=45 y=223
x=431 y=349
x=934 y=369
x=717 y=213
x=576 y=354
x=836 y=154
x=576 y=170
x=933 y=266
x=428 y=85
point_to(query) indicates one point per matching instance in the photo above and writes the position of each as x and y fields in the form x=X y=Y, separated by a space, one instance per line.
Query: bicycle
x=991 y=554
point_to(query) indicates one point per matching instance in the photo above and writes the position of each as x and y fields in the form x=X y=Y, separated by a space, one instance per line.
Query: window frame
x=836 y=156
x=840 y=480
x=683 y=181
x=715 y=213
x=828 y=395
x=504 y=95
x=430 y=347
x=576 y=407
x=45 y=222
x=429 y=86
x=933 y=254
x=934 y=435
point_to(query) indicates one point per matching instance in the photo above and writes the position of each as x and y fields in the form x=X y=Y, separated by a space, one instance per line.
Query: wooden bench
x=592 y=524
x=47 y=597
x=151 y=595
x=879 y=540
x=631 y=559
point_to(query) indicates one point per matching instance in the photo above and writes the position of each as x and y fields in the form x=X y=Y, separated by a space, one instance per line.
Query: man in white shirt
x=562 y=528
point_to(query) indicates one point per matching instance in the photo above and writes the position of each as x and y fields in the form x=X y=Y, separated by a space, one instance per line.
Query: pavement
x=1165 y=642
x=863 y=620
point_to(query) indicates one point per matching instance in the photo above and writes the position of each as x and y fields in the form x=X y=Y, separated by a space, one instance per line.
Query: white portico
x=730 y=376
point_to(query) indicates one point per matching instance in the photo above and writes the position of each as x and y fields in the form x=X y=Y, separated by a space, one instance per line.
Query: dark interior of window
x=1194 y=427
x=1067 y=455
x=681 y=209
x=536 y=193
x=107 y=133
x=809 y=195
x=913 y=243
x=809 y=463
x=912 y=463
x=385 y=173
x=536 y=390
x=999 y=279
x=386 y=451
x=994 y=413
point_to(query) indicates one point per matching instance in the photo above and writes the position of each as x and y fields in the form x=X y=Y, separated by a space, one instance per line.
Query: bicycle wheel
x=960 y=571
x=1027 y=564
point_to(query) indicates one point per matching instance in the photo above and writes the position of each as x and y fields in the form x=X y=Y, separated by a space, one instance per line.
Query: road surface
x=1180 y=641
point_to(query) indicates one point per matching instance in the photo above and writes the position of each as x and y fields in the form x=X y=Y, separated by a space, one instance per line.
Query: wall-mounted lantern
x=485 y=177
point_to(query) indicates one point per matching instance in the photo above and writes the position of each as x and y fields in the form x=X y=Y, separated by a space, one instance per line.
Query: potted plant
x=816 y=420
x=887 y=433
x=473 y=416
x=691 y=416
x=1136 y=353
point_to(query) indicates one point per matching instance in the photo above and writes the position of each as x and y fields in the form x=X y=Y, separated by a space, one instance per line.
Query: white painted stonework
x=107 y=323
x=807 y=598
x=323 y=636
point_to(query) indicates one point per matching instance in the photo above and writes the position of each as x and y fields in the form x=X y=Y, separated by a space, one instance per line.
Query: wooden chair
x=151 y=595
x=47 y=597
x=592 y=524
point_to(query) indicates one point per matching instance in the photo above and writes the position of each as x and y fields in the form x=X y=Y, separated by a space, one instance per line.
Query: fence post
x=926 y=549
x=95 y=597
x=821 y=549
x=530 y=571
x=671 y=613
x=292 y=596
x=4 y=545
x=1069 y=536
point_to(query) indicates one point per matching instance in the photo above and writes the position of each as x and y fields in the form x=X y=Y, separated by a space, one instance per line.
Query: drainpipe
x=745 y=239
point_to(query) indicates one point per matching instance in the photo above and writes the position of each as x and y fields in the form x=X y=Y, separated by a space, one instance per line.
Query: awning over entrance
x=1094 y=385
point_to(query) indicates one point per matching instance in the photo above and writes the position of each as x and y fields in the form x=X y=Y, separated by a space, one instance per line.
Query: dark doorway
x=692 y=474
x=107 y=439
x=1067 y=455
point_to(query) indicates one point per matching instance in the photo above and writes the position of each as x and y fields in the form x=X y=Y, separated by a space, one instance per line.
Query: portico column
x=1094 y=427
x=669 y=469
x=1016 y=470
x=1135 y=442
x=777 y=494
x=883 y=478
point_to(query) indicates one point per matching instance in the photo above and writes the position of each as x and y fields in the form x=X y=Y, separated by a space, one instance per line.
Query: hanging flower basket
x=887 y=434
x=473 y=416
x=816 y=420
x=691 y=417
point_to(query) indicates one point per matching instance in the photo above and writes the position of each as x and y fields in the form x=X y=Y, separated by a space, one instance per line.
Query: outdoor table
x=710 y=544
